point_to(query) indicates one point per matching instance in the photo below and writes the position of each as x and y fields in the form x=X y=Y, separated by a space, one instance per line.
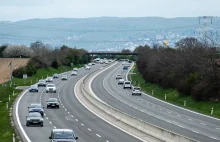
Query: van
x=127 y=84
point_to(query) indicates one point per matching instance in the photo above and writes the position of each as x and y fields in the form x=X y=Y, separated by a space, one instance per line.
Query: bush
x=17 y=51
x=19 y=72
x=30 y=69
x=55 y=64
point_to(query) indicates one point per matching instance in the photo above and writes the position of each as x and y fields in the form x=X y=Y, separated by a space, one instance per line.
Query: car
x=41 y=82
x=136 y=91
x=56 y=75
x=118 y=76
x=129 y=61
x=128 y=65
x=93 y=63
x=36 y=108
x=136 y=88
x=127 y=84
x=106 y=62
x=74 y=73
x=49 y=79
x=125 y=68
x=88 y=68
x=53 y=102
x=89 y=64
x=121 y=81
x=33 y=88
x=75 y=69
x=34 y=118
x=64 y=77
x=62 y=135
x=51 y=88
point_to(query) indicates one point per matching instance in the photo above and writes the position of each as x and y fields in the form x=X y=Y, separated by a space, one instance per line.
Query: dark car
x=34 y=118
x=125 y=68
x=36 y=108
x=56 y=76
x=62 y=135
x=33 y=88
x=53 y=102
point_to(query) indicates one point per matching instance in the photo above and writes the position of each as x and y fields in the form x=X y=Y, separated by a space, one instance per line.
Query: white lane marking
x=71 y=115
x=76 y=94
x=178 y=115
x=82 y=124
x=47 y=117
x=194 y=131
x=168 y=111
x=217 y=128
x=50 y=122
x=98 y=135
x=190 y=119
x=203 y=123
x=107 y=141
x=18 y=119
x=153 y=106
x=161 y=109
x=69 y=112
x=65 y=109
x=89 y=129
x=54 y=127
x=214 y=138
x=76 y=119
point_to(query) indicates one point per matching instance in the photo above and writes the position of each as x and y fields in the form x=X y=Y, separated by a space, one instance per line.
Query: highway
x=71 y=114
x=164 y=115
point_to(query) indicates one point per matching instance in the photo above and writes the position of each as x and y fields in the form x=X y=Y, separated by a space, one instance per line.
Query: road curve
x=153 y=111
x=71 y=114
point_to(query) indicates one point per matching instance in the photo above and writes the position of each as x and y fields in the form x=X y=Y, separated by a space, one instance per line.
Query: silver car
x=121 y=81
x=34 y=118
x=49 y=79
x=41 y=82
x=62 y=135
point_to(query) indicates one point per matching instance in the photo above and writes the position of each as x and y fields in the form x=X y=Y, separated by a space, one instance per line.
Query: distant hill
x=105 y=33
x=4 y=69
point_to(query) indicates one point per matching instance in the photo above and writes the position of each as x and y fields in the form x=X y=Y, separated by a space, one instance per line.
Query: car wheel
x=37 y=90
x=124 y=87
x=55 y=91
x=57 y=106
x=47 y=106
x=42 y=124
x=27 y=124
x=46 y=91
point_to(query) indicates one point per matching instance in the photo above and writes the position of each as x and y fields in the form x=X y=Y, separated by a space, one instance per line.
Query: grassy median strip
x=6 y=130
x=173 y=97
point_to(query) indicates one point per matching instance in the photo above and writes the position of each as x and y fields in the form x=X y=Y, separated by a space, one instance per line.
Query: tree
x=2 y=48
x=17 y=51
x=55 y=64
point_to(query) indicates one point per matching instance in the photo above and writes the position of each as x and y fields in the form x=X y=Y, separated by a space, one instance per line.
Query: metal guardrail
x=149 y=129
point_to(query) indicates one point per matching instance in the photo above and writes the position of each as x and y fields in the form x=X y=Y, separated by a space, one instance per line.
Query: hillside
x=105 y=33
x=4 y=69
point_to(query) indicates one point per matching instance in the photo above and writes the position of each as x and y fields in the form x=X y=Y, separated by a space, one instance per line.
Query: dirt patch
x=4 y=69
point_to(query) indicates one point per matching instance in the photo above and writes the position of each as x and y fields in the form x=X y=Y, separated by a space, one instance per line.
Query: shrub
x=19 y=72
x=30 y=69
x=55 y=64
x=17 y=51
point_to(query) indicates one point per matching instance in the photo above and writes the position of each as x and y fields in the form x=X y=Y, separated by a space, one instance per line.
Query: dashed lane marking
x=98 y=135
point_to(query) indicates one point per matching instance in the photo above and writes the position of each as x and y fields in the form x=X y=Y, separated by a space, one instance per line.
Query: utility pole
x=10 y=75
x=205 y=31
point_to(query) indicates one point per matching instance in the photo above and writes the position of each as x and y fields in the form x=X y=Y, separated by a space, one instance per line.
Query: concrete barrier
x=147 y=128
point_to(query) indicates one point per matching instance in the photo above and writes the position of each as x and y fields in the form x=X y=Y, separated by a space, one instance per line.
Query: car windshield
x=127 y=82
x=55 y=74
x=64 y=76
x=35 y=106
x=34 y=115
x=50 y=85
x=63 y=135
x=52 y=100
x=137 y=88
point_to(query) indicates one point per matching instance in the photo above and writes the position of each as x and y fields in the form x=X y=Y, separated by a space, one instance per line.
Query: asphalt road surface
x=71 y=115
x=193 y=125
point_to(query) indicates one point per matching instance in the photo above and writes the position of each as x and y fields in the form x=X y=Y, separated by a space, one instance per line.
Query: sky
x=15 y=10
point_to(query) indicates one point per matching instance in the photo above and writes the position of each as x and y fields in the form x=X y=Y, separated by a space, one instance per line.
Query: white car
x=75 y=69
x=49 y=79
x=64 y=77
x=73 y=73
x=89 y=64
x=121 y=81
x=118 y=76
x=136 y=91
x=51 y=88
x=127 y=84
x=88 y=68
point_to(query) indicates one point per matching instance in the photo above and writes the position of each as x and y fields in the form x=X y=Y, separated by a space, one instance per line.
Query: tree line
x=192 y=67
x=43 y=56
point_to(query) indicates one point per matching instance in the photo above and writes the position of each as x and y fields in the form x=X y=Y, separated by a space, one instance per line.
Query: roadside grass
x=174 y=97
x=6 y=130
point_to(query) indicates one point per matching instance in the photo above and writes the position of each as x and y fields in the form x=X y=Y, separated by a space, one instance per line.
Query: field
x=4 y=69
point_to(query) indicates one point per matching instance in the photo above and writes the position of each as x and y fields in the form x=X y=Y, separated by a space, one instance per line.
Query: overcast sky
x=13 y=10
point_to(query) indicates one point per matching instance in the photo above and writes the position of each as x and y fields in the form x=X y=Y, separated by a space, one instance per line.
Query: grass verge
x=6 y=130
x=173 y=96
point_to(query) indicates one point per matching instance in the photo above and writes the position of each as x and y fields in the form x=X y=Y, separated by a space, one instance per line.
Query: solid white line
x=18 y=119
x=98 y=135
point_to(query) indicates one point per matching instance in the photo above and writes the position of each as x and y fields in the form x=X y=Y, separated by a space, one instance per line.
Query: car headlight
x=41 y=119
x=28 y=119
